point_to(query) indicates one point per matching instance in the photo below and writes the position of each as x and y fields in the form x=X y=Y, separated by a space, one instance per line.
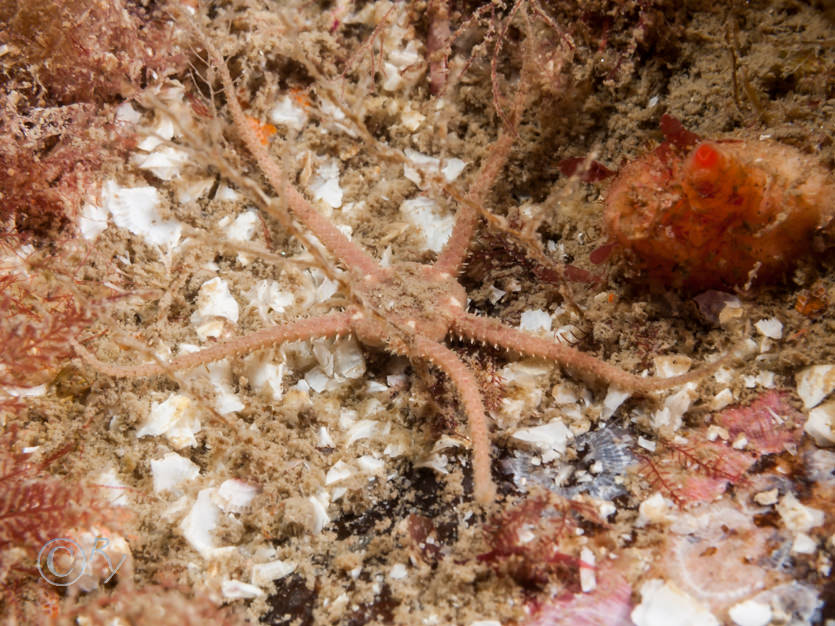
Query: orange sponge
x=703 y=214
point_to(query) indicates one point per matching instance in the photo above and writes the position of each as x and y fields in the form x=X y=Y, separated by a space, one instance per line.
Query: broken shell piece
x=451 y=169
x=325 y=184
x=136 y=209
x=664 y=604
x=239 y=590
x=234 y=496
x=798 y=517
x=214 y=300
x=117 y=490
x=535 y=320
x=588 y=581
x=672 y=365
x=198 y=526
x=821 y=424
x=750 y=613
x=176 y=418
x=550 y=439
x=363 y=429
x=172 y=470
x=804 y=544
x=614 y=398
x=265 y=573
x=288 y=113
x=675 y=406
x=815 y=383
x=767 y=498
x=771 y=328
x=434 y=223
x=319 y=504
x=654 y=510
x=165 y=162
x=340 y=471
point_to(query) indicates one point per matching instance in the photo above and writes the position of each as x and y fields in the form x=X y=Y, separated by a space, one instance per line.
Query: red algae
x=705 y=214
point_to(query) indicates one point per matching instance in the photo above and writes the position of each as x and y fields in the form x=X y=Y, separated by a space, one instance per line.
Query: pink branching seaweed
x=697 y=471
x=525 y=540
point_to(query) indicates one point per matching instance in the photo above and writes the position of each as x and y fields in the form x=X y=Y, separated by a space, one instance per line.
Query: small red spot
x=706 y=156
x=588 y=171
x=676 y=134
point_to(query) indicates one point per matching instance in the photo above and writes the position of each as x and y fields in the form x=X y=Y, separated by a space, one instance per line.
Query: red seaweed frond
x=696 y=471
x=37 y=321
x=525 y=540
x=36 y=507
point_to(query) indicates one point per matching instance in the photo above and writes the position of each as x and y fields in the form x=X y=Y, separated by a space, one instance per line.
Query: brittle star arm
x=455 y=250
x=322 y=326
x=331 y=237
x=470 y=397
x=494 y=332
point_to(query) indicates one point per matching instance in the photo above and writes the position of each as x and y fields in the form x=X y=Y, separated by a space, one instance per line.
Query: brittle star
x=407 y=309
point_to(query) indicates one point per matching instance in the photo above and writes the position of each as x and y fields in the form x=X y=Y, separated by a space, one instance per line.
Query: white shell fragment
x=93 y=221
x=671 y=365
x=265 y=573
x=804 y=544
x=197 y=527
x=176 y=418
x=815 y=383
x=535 y=320
x=588 y=581
x=654 y=510
x=325 y=184
x=821 y=424
x=164 y=162
x=674 y=408
x=288 y=113
x=264 y=375
x=267 y=295
x=214 y=300
x=234 y=496
x=117 y=491
x=450 y=169
x=614 y=398
x=172 y=470
x=238 y=590
x=156 y=135
x=750 y=613
x=721 y=399
x=363 y=429
x=370 y=464
x=798 y=517
x=241 y=229
x=398 y=571
x=550 y=439
x=320 y=503
x=664 y=604
x=770 y=327
x=126 y=114
x=425 y=214
x=220 y=375
x=136 y=210
x=339 y=472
